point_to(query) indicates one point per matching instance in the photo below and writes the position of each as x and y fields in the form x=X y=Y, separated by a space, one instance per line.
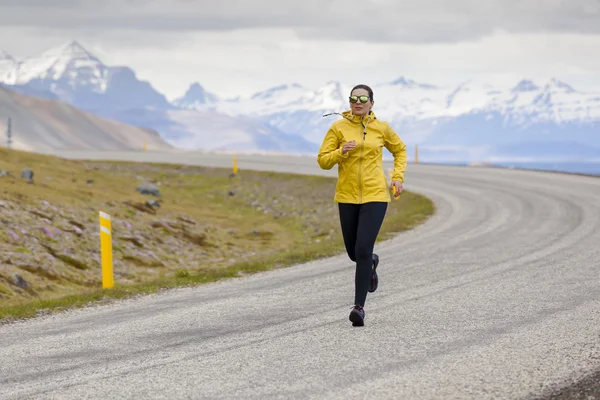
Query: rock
x=153 y=203
x=42 y=215
x=148 y=189
x=141 y=207
x=49 y=206
x=4 y=172
x=75 y=230
x=13 y=235
x=47 y=231
x=136 y=241
x=77 y=224
x=160 y=224
x=27 y=174
x=20 y=282
x=186 y=220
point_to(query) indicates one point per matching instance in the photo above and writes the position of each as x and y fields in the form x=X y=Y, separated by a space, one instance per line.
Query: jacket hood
x=356 y=118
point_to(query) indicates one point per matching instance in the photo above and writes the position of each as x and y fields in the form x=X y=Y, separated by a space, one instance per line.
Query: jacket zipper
x=362 y=147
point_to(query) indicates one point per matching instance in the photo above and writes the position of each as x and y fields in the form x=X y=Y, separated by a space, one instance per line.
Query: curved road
x=496 y=296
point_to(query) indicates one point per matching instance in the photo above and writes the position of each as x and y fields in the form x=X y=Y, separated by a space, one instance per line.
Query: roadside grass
x=209 y=226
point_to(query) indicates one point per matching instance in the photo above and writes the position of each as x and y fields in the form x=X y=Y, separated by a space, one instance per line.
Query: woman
x=355 y=143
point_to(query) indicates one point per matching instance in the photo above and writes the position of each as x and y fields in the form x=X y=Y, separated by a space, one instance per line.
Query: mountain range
x=473 y=121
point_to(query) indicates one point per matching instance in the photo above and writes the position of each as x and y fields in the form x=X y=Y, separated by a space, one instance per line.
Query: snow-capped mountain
x=71 y=73
x=196 y=97
x=553 y=101
x=485 y=117
x=473 y=120
x=75 y=75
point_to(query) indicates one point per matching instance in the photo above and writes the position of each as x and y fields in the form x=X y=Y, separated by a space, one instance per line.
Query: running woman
x=355 y=143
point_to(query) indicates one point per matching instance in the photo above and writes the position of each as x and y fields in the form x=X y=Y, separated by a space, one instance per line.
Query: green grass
x=272 y=220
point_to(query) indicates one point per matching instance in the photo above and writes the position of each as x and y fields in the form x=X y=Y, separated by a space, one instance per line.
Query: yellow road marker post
x=235 y=168
x=106 y=251
x=416 y=154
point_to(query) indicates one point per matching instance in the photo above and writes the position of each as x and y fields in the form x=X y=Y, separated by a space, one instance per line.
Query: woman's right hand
x=351 y=145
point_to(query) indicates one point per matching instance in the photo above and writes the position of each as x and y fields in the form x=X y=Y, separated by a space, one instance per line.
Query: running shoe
x=374 y=278
x=357 y=316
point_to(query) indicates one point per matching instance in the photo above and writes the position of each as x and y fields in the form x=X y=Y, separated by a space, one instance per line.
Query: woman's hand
x=396 y=188
x=348 y=146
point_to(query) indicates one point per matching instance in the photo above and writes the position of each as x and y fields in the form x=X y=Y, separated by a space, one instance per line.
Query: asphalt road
x=496 y=296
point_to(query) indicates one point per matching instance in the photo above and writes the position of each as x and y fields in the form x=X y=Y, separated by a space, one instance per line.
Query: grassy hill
x=203 y=225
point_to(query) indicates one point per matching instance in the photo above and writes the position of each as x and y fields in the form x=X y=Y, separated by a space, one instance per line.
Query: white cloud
x=236 y=47
x=415 y=21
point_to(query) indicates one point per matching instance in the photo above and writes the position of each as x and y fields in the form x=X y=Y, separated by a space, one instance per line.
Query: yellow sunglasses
x=362 y=99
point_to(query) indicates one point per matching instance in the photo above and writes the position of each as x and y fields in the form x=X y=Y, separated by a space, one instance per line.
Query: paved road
x=497 y=296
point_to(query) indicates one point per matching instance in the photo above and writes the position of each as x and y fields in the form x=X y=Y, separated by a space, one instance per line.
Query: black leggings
x=360 y=227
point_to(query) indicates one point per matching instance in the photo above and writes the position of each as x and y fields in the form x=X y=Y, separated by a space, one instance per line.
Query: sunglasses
x=363 y=99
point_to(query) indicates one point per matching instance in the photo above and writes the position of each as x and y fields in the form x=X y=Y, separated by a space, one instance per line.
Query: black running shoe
x=374 y=279
x=357 y=316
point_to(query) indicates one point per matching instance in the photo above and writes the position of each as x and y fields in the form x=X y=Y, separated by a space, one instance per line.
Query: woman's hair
x=368 y=89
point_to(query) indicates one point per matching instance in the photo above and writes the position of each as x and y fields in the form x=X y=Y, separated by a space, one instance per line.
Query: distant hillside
x=41 y=124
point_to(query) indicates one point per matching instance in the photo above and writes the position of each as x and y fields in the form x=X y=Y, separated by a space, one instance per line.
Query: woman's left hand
x=396 y=188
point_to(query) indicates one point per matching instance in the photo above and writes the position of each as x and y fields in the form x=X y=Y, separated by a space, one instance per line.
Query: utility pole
x=9 y=134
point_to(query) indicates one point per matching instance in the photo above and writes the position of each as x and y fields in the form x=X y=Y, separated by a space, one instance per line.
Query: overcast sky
x=238 y=47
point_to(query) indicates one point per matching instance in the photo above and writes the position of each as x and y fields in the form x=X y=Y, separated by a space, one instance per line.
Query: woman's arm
x=330 y=152
x=396 y=146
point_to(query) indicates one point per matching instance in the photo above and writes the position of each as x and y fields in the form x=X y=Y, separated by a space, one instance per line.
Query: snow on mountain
x=554 y=100
x=60 y=63
x=75 y=75
x=287 y=97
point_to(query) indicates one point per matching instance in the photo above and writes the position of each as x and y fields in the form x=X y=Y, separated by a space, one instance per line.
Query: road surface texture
x=496 y=296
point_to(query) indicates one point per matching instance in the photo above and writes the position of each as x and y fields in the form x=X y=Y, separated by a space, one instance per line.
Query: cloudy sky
x=238 y=47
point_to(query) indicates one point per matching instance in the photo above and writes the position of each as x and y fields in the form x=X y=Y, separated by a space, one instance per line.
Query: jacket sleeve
x=330 y=152
x=396 y=146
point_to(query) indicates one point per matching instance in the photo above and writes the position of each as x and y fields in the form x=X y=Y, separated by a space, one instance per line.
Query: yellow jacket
x=361 y=177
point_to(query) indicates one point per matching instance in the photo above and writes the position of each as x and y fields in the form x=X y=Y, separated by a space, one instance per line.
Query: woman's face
x=357 y=107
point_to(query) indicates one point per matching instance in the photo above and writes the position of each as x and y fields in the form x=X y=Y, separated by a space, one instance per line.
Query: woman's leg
x=349 y=222
x=370 y=220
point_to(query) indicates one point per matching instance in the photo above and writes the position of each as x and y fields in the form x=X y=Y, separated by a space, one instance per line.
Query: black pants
x=360 y=227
